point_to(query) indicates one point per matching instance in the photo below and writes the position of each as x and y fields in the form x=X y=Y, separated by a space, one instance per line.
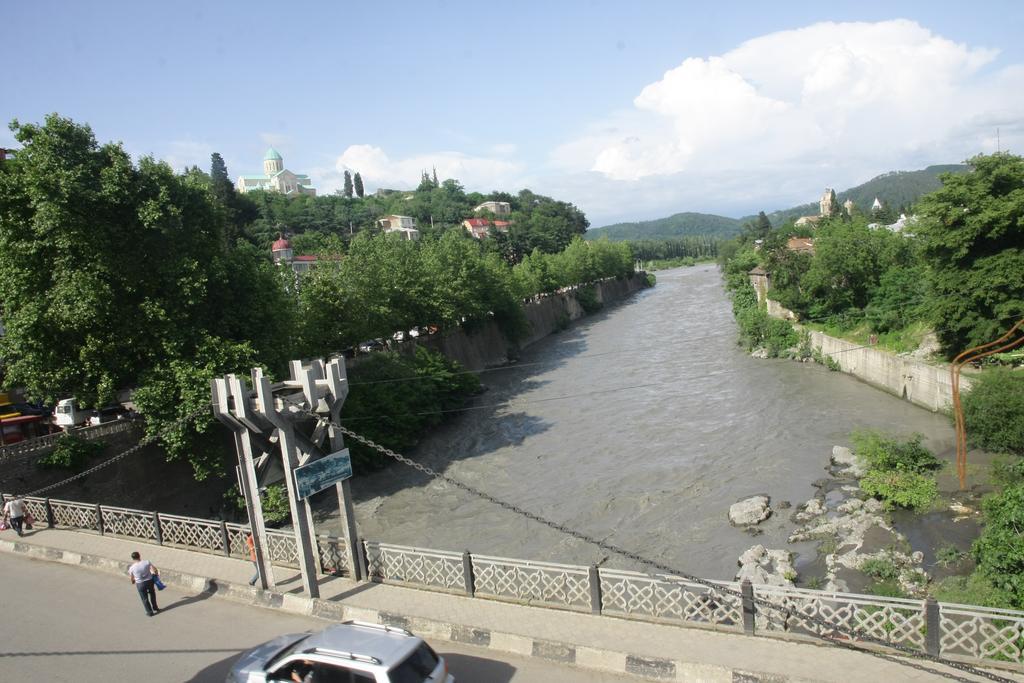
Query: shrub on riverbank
x=994 y=411
x=999 y=551
x=72 y=453
x=900 y=472
x=395 y=398
x=757 y=328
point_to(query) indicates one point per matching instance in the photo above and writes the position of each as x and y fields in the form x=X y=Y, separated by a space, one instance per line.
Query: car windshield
x=416 y=667
x=287 y=650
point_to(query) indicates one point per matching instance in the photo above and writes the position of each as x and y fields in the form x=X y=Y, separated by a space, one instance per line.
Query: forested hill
x=677 y=225
x=897 y=189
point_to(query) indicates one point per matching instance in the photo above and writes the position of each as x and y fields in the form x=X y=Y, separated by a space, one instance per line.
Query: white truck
x=68 y=415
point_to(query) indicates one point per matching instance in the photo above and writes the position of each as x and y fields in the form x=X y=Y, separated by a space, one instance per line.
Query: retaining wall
x=921 y=383
x=924 y=384
x=487 y=346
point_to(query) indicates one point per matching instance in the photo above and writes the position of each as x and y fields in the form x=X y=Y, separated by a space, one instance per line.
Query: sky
x=630 y=110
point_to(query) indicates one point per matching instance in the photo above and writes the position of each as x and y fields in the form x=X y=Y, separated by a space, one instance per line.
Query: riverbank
x=487 y=345
x=912 y=377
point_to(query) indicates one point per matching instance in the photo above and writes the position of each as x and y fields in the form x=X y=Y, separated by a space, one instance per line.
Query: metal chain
x=144 y=441
x=851 y=632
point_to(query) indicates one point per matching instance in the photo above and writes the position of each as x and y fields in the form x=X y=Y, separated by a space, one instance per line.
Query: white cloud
x=829 y=104
x=482 y=173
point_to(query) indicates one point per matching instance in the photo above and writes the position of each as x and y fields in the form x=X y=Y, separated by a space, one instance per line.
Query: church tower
x=272 y=162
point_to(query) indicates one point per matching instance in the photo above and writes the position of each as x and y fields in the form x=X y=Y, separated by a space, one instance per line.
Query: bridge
x=655 y=627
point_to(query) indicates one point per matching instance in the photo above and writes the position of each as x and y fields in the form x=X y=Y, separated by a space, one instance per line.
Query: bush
x=72 y=453
x=588 y=301
x=900 y=488
x=651 y=279
x=276 y=509
x=899 y=471
x=880 y=568
x=972 y=590
x=394 y=398
x=999 y=551
x=878 y=451
x=994 y=411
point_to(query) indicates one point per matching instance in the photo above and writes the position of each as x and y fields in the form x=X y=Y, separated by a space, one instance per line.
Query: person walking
x=251 y=545
x=141 y=574
x=14 y=510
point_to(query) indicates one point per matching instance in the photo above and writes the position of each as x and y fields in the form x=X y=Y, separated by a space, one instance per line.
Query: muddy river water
x=640 y=425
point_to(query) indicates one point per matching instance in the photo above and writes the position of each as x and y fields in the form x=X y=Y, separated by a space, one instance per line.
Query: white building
x=282 y=253
x=276 y=178
x=497 y=208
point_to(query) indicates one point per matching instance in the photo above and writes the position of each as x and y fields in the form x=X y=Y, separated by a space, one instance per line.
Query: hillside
x=676 y=225
x=896 y=189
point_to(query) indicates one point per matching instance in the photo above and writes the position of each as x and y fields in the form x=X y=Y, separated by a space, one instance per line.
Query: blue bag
x=158 y=583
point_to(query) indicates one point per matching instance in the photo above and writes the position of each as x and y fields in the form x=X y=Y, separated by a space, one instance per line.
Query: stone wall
x=925 y=384
x=487 y=346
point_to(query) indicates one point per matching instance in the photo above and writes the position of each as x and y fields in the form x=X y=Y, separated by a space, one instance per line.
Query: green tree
x=348 y=185
x=972 y=236
x=999 y=551
x=994 y=411
x=117 y=276
x=358 y=181
x=219 y=176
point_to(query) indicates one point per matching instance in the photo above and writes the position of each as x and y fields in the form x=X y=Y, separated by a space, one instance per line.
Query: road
x=60 y=623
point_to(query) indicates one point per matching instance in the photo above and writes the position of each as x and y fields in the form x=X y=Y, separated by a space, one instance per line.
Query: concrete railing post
x=595 y=590
x=157 y=531
x=749 y=609
x=225 y=539
x=933 y=627
x=49 y=515
x=467 y=574
x=363 y=559
x=99 y=519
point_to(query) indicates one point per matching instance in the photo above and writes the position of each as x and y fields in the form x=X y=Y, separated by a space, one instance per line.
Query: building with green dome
x=276 y=178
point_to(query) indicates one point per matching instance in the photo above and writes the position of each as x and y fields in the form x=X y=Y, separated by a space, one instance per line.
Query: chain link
x=849 y=632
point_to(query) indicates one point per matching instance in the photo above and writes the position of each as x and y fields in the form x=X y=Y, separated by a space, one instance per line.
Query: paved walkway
x=650 y=651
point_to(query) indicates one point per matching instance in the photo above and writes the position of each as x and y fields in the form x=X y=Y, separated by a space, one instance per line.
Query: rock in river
x=749 y=511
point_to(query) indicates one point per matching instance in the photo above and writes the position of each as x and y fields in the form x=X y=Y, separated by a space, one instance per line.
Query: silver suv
x=352 y=652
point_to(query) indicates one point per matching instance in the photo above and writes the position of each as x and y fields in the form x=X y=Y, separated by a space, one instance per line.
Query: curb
x=610 y=661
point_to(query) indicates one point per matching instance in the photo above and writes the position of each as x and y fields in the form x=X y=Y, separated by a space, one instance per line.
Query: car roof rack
x=380 y=627
x=355 y=657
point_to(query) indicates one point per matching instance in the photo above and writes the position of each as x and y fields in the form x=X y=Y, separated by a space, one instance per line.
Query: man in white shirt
x=141 y=574
x=15 y=510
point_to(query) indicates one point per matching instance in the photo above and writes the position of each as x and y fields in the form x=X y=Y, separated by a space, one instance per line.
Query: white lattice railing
x=663 y=597
x=965 y=632
x=982 y=633
x=192 y=533
x=898 y=621
x=44 y=443
x=389 y=563
x=69 y=514
x=546 y=583
x=130 y=523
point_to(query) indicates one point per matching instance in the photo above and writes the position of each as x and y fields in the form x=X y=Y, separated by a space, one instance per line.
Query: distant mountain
x=674 y=226
x=896 y=189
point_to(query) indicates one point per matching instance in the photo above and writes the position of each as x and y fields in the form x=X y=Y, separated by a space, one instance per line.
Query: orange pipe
x=962 y=359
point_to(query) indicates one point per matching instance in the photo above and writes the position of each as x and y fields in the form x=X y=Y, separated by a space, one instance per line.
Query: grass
x=897 y=341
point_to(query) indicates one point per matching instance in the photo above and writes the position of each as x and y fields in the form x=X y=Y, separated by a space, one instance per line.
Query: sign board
x=319 y=474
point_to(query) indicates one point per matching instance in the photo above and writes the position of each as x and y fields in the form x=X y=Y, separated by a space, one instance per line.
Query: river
x=640 y=425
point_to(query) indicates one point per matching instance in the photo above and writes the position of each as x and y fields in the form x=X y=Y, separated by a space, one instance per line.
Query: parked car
x=371 y=345
x=352 y=652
